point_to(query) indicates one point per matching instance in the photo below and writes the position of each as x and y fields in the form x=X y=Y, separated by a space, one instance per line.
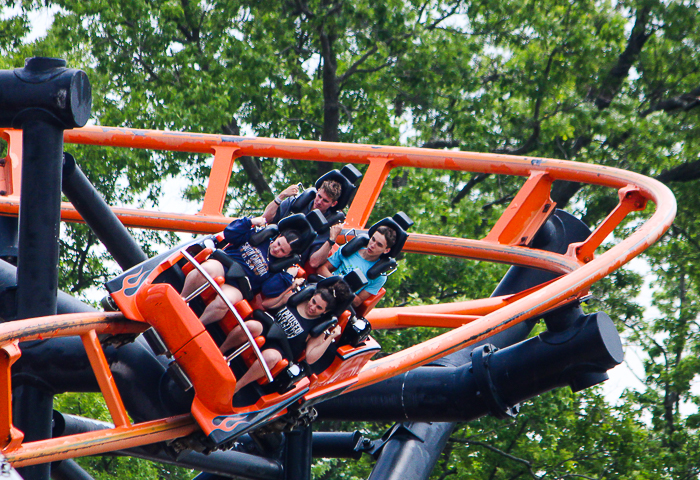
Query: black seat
x=346 y=177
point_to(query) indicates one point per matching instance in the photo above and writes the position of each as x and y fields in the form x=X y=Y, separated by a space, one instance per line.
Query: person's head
x=281 y=247
x=381 y=242
x=327 y=196
x=327 y=298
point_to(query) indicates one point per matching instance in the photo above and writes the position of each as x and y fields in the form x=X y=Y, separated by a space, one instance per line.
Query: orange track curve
x=474 y=320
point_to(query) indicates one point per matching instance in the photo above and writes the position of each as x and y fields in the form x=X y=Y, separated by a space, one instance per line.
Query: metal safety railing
x=241 y=323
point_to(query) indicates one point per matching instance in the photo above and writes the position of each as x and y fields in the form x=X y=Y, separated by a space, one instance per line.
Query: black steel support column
x=43 y=99
x=414 y=445
x=99 y=217
x=39 y=219
x=297 y=465
x=556 y=234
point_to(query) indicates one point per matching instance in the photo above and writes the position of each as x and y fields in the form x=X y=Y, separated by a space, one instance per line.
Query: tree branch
x=536 y=122
x=477 y=178
x=616 y=76
x=498 y=451
x=685 y=102
x=685 y=172
x=499 y=201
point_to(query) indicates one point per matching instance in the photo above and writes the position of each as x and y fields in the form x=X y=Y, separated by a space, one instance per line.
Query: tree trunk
x=251 y=167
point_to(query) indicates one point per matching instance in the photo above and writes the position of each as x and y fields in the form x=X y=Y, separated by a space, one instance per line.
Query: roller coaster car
x=150 y=293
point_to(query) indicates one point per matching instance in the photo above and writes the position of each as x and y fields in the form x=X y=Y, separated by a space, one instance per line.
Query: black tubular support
x=494 y=383
x=417 y=460
x=45 y=88
x=297 y=460
x=340 y=445
x=43 y=99
x=68 y=470
x=99 y=217
x=411 y=444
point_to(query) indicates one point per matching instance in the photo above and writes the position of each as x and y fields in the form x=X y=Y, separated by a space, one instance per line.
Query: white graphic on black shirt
x=289 y=323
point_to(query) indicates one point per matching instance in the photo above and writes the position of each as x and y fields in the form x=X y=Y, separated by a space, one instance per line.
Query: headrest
x=301 y=224
x=279 y=264
x=317 y=220
x=304 y=294
x=384 y=265
x=400 y=222
x=355 y=280
x=303 y=200
x=346 y=177
x=322 y=223
x=360 y=241
x=267 y=233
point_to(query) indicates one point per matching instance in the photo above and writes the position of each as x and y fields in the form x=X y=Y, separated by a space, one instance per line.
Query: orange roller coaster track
x=470 y=321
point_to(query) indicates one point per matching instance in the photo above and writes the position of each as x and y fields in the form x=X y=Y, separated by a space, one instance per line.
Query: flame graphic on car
x=133 y=281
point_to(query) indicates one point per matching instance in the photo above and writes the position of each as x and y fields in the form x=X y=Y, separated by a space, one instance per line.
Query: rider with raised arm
x=330 y=196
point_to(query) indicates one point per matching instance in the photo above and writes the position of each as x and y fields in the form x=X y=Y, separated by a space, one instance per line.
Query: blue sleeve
x=276 y=284
x=375 y=285
x=238 y=232
x=335 y=258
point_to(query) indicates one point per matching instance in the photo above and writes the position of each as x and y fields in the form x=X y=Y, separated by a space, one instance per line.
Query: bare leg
x=216 y=310
x=195 y=279
x=238 y=337
x=271 y=357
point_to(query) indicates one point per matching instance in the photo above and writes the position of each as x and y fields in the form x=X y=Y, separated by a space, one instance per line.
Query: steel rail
x=101 y=441
x=577 y=276
x=91 y=443
x=381 y=159
x=560 y=290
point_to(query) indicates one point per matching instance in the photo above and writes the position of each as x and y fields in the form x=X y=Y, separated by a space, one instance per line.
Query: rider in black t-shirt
x=296 y=320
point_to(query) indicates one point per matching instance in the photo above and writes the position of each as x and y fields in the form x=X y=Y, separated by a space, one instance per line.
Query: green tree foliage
x=592 y=81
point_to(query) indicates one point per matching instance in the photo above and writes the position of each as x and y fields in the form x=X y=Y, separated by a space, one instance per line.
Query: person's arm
x=278 y=288
x=316 y=347
x=319 y=257
x=372 y=288
x=360 y=298
x=281 y=299
x=238 y=232
x=326 y=269
x=272 y=207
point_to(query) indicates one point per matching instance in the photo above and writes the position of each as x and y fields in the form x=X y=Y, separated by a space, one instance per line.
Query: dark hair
x=291 y=236
x=332 y=188
x=390 y=235
x=334 y=295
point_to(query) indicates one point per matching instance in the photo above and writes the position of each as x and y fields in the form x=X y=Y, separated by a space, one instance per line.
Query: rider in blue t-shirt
x=380 y=243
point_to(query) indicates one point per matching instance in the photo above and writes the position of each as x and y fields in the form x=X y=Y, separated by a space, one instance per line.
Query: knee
x=271 y=356
x=213 y=268
x=218 y=304
x=254 y=327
